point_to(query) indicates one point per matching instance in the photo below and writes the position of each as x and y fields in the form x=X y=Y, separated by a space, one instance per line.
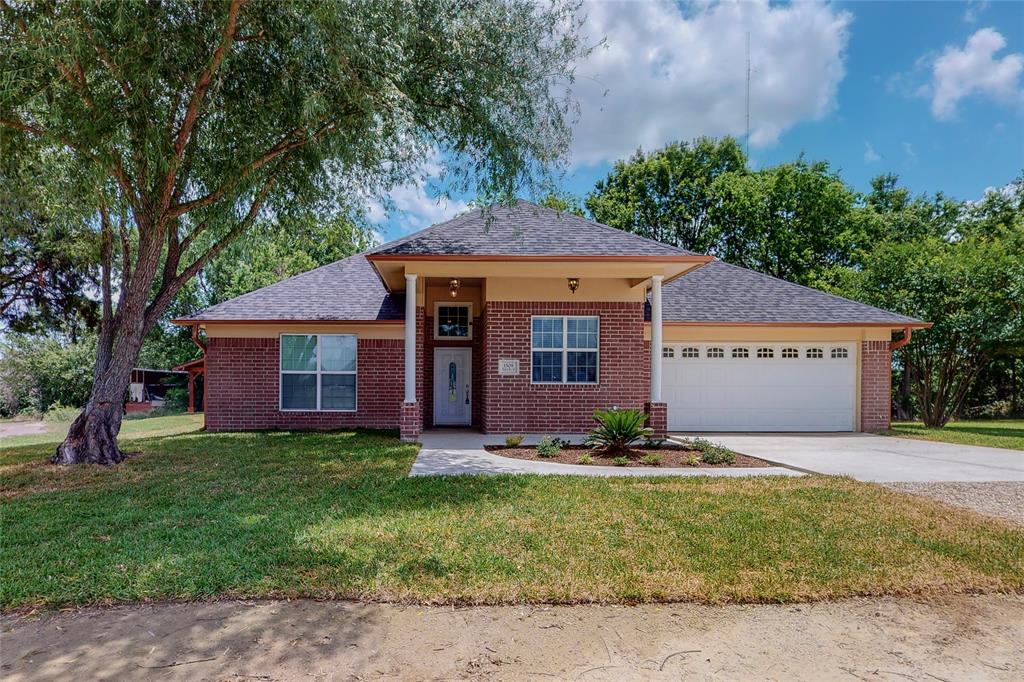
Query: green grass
x=334 y=515
x=131 y=429
x=994 y=433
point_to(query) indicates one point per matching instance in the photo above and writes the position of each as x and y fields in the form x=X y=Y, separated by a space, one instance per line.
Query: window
x=318 y=372
x=453 y=321
x=716 y=352
x=689 y=352
x=814 y=353
x=840 y=353
x=564 y=350
x=741 y=352
x=765 y=352
x=790 y=353
x=668 y=352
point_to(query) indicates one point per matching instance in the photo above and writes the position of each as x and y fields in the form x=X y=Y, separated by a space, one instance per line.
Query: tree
x=666 y=195
x=196 y=118
x=794 y=221
x=971 y=288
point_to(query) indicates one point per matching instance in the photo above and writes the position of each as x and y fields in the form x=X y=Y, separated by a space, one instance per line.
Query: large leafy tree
x=794 y=221
x=196 y=118
x=666 y=194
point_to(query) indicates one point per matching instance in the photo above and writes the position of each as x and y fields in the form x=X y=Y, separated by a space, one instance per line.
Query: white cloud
x=908 y=149
x=672 y=73
x=974 y=10
x=410 y=207
x=870 y=155
x=958 y=73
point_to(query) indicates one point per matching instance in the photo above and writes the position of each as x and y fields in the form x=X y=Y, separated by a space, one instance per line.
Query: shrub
x=585 y=458
x=692 y=461
x=651 y=460
x=712 y=453
x=39 y=371
x=618 y=431
x=176 y=399
x=621 y=461
x=549 y=447
x=61 y=413
x=513 y=441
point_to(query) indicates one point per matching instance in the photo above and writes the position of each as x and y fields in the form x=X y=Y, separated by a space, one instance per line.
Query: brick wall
x=875 y=385
x=242 y=387
x=514 y=404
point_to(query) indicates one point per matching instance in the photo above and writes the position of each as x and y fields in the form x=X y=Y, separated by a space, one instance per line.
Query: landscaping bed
x=665 y=457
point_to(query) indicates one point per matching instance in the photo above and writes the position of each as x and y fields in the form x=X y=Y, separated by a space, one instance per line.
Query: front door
x=452 y=381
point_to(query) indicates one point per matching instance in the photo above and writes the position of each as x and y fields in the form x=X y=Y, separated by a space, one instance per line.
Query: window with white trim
x=668 y=352
x=689 y=352
x=814 y=354
x=840 y=353
x=318 y=372
x=716 y=352
x=453 y=321
x=741 y=352
x=765 y=352
x=564 y=350
x=790 y=353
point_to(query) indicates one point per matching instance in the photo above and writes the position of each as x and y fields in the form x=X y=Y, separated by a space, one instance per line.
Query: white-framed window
x=668 y=352
x=765 y=352
x=564 y=350
x=453 y=320
x=715 y=352
x=840 y=353
x=790 y=353
x=318 y=372
x=689 y=352
x=741 y=352
x=814 y=353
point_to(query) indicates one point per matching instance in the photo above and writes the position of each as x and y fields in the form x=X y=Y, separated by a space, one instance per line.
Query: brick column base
x=657 y=419
x=411 y=422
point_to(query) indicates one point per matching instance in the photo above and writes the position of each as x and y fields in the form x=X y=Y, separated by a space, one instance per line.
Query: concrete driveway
x=878 y=458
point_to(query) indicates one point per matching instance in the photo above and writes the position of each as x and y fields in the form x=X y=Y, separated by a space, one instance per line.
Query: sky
x=931 y=91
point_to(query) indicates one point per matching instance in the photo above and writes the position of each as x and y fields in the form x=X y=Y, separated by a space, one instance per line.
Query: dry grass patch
x=335 y=515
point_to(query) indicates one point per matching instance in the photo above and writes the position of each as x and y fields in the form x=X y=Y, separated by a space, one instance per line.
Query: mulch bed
x=671 y=457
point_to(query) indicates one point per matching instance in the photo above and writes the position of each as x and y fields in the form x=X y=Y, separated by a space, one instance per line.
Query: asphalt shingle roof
x=525 y=229
x=721 y=293
x=347 y=289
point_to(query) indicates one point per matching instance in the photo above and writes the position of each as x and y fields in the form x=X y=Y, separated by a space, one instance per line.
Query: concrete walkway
x=455 y=452
x=873 y=458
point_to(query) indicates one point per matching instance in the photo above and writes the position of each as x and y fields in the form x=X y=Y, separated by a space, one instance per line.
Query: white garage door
x=760 y=387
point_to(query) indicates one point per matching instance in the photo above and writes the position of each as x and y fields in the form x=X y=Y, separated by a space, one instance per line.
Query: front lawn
x=334 y=515
x=994 y=433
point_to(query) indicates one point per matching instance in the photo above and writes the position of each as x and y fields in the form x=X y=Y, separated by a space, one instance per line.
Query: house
x=522 y=319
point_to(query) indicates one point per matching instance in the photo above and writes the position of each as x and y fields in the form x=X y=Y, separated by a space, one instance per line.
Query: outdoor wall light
x=574 y=284
x=453 y=287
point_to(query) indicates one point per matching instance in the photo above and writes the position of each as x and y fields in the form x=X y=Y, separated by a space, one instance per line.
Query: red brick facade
x=875 y=385
x=657 y=419
x=242 y=389
x=513 y=404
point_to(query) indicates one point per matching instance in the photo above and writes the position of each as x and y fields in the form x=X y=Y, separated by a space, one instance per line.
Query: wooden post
x=191 y=391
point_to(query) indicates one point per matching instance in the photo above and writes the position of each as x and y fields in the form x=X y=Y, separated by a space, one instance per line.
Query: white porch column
x=656 y=338
x=410 y=339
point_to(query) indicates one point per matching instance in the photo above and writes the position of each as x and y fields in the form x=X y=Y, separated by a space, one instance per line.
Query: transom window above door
x=564 y=350
x=453 y=321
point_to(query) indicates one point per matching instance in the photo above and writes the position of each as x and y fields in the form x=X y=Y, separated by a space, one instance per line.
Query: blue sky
x=932 y=91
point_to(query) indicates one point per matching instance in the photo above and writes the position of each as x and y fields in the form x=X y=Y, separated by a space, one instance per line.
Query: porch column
x=410 y=339
x=191 y=391
x=656 y=338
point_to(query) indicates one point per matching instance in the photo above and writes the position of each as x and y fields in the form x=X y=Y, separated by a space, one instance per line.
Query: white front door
x=452 y=381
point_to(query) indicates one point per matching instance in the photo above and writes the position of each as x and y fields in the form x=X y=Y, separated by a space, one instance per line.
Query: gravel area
x=1002 y=499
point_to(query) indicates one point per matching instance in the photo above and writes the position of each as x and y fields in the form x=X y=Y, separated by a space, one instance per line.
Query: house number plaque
x=508 y=367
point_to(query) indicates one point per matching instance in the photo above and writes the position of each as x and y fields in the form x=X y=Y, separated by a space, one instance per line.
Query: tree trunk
x=92 y=438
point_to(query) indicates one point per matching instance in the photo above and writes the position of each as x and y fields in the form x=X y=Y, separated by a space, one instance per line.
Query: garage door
x=760 y=387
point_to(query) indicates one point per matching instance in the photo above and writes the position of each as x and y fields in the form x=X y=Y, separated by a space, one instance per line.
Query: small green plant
x=692 y=461
x=513 y=441
x=61 y=413
x=585 y=458
x=621 y=461
x=651 y=460
x=549 y=447
x=618 y=431
x=653 y=442
x=712 y=453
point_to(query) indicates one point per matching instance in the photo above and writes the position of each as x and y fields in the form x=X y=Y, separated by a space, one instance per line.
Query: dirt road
x=961 y=638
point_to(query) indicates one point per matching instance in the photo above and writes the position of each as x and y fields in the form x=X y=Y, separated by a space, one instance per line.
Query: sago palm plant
x=617 y=431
